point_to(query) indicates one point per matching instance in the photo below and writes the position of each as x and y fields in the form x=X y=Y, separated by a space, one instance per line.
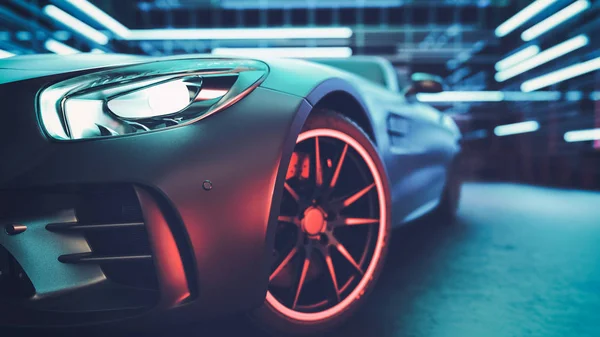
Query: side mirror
x=424 y=83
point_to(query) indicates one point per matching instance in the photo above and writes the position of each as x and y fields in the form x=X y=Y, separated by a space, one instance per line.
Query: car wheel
x=333 y=230
x=448 y=206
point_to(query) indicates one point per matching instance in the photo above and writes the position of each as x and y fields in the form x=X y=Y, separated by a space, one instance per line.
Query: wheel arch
x=335 y=94
x=339 y=95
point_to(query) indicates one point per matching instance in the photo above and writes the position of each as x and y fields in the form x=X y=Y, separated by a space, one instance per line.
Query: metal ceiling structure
x=462 y=40
x=407 y=32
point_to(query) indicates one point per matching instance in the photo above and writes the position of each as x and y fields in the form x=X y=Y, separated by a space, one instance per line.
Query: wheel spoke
x=351 y=199
x=332 y=273
x=292 y=192
x=343 y=221
x=346 y=254
x=318 y=167
x=283 y=263
x=338 y=168
x=288 y=219
x=302 y=278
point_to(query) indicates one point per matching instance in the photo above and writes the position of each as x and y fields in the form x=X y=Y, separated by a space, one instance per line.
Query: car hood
x=24 y=67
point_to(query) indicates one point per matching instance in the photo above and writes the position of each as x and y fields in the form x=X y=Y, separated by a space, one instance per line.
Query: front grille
x=111 y=220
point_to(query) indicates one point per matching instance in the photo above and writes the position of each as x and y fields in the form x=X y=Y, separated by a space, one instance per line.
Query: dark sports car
x=180 y=188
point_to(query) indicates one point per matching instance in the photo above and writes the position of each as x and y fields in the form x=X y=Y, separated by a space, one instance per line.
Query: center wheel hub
x=314 y=222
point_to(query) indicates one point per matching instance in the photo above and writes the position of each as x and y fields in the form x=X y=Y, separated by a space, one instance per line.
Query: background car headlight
x=145 y=97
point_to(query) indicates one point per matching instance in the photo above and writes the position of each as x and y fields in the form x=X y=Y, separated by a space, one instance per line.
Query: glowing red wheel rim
x=314 y=227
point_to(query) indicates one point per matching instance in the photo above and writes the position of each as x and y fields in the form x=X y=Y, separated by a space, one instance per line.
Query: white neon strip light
x=523 y=16
x=546 y=56
x=318 y=52
x=561 y=75
x=573 y=96
x=125 y=33
x=555 y=20
x=517 y=57
x=492 y=96
x=240 y=34
x=538 y=96
x=516 y=128
x=5 y=54
x=76 y=25
x=462 y=96
x=100 y=17
x=582 y=135
x=59 y=48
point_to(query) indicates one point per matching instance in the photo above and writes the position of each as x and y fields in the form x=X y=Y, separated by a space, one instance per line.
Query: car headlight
x=145 y=97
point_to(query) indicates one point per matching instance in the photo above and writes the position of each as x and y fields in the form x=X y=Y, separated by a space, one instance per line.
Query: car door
x=435 y=146
x=416 y=148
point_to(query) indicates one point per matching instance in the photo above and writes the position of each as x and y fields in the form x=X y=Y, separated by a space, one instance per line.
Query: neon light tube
x=555 y=20
x=59 y=48
x=497 y=96
x=543 y=57
x=5 y=54
x=462 y=96
x=539 y=96
x=240 y=34
x=582 y=135
x=76 y=25
x=318 y=52
x=100 y=17
x=521 y=17
x=561 y=75
x=517 y=57
x=516 y=128
x=573 y=96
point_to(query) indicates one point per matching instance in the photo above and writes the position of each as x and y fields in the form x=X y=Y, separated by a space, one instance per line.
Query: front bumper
x=211 y=249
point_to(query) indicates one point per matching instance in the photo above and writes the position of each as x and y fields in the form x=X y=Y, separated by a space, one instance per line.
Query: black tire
x=448 y=207
x=277 y=323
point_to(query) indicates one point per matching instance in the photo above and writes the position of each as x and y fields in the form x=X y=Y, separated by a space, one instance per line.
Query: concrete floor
x=519 y=261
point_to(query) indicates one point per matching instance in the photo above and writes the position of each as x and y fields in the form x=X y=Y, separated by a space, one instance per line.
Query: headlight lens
x=145 y=97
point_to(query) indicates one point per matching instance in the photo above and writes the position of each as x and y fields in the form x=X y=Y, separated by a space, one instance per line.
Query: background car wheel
x=448 y=206
x=334 y=225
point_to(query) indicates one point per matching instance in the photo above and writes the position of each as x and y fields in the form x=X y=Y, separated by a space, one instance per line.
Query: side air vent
x=112 y=223
x=14 y=282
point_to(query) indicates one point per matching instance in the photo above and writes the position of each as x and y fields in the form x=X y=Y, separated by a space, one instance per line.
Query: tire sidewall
x=452 y=191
